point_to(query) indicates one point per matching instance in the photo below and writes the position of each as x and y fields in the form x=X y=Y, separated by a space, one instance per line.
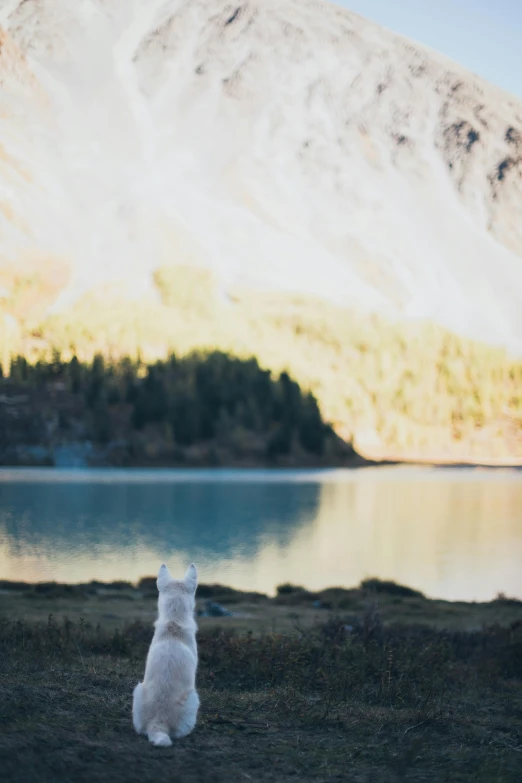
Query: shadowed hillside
x=201 y=409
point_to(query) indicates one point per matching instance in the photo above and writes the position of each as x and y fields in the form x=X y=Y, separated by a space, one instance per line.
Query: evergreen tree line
x=196 y=398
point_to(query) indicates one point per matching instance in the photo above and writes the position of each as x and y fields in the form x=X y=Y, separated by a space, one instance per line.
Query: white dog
x=166 y=703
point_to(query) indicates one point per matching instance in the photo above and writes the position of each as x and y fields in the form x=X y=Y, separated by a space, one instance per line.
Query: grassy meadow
x=372 y=685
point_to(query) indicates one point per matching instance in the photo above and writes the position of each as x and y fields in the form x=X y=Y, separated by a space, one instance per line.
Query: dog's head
x=177 y=597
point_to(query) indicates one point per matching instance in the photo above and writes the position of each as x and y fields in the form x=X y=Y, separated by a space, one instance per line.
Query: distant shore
x=88 y=456
x=85 y=454
x=214 y=409
x=356 y=462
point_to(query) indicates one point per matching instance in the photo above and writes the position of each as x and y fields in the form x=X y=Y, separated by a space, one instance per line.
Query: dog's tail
x=158 y=735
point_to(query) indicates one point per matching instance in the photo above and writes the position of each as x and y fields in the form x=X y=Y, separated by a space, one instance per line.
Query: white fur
x=166 y=703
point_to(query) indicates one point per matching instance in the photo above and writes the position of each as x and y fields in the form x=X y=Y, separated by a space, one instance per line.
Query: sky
x=483 y=35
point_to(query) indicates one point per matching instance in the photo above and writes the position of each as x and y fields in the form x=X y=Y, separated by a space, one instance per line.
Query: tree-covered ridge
x=168 y=406
x=402 y=390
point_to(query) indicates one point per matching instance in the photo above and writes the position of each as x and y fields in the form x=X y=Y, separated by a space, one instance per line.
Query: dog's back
x=166 y=703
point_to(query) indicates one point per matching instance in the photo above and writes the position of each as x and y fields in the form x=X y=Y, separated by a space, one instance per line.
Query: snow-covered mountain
x=287 y=144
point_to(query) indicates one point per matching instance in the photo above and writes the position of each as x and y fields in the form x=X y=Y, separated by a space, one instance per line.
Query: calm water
x=454 y=534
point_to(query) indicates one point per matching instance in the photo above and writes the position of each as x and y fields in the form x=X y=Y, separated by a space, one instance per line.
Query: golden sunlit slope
x=375 y=173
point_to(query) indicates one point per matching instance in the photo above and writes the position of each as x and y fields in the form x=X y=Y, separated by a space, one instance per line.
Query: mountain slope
x=285 y=144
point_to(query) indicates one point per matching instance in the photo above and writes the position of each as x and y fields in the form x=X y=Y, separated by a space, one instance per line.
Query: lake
x=452 y=533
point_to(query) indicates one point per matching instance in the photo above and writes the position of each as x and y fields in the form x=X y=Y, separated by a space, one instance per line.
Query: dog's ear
x=191 y=578
x=164 y=578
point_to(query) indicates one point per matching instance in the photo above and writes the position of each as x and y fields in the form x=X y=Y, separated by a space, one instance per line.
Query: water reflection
x=453 y=534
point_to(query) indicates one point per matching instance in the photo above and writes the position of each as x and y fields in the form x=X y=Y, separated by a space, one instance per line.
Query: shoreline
x=290 y=594
x=262 y=466
x=117 y=605
x=443 y=462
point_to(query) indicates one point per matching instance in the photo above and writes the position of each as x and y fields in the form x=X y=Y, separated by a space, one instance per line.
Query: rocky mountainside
x=285 y=144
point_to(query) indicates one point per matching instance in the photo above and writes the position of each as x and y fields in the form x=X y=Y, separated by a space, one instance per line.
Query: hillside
x=203 y=409
x=396 y=391
x=289 y=147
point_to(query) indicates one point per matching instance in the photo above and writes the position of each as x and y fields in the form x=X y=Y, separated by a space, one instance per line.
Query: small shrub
x=389 y=587
x=287 y=588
